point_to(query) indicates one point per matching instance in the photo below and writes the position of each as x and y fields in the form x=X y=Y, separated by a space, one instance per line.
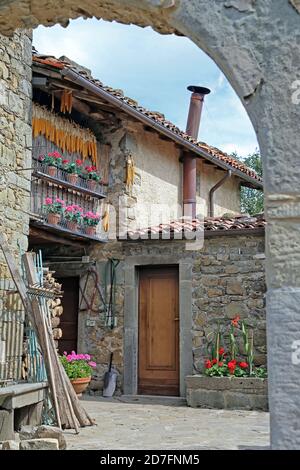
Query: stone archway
x=256 y=44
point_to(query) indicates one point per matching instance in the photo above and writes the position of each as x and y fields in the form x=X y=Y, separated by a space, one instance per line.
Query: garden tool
x=110 y=380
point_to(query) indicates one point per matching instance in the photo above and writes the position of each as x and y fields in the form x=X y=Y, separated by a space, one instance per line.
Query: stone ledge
x=227 y=393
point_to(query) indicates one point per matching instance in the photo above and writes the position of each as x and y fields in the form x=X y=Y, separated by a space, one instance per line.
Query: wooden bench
x=20 y=404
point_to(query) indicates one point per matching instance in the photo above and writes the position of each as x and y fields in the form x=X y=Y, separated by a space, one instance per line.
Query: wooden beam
x=48 y=237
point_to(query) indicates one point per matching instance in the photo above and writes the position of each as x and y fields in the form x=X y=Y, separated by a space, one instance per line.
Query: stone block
x=39 y=444
x=234 y=287
x=6 y=425
x=205 y=399
x=227 y=392
x=52 y=432
x=11 y=445
x=235 y=309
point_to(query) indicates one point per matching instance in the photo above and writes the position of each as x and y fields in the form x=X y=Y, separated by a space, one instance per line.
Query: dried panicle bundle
x=67 y=135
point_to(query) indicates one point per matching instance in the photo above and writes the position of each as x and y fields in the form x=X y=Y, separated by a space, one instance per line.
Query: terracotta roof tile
x=155 y=115
x=210 y=224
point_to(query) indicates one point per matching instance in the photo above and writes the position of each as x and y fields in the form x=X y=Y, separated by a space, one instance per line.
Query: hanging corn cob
x=66 y=101
x=105 y=221
x=130 y=172
x=67 y=135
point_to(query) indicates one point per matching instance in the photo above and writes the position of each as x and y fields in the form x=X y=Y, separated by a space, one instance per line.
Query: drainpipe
x=189 y=159
x=211 y=209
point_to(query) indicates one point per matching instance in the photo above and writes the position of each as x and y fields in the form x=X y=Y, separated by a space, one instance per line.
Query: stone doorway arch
x=256 y=43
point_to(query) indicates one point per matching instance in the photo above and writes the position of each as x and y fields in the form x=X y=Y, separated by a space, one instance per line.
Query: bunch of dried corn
x=67 y=135
x=130 y=172
x=66 y=101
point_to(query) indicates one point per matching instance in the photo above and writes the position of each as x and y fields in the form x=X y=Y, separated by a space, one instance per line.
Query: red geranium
x=79 y=162
x=221 y=351
x=214 y=361
x=208 y=364
x=231 y=366
x=220 y=364
x=235 y=321
x=243 y=365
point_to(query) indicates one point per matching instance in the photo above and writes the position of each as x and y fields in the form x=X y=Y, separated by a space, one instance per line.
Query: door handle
x=176 y=319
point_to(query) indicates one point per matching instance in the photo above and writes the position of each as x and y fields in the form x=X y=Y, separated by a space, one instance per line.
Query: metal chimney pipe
x=189 y=161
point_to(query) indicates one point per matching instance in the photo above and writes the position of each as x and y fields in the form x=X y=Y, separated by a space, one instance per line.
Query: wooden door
x=158 y=369
x=69 y=318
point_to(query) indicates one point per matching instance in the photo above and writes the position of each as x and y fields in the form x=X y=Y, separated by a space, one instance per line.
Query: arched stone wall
x=256 y=43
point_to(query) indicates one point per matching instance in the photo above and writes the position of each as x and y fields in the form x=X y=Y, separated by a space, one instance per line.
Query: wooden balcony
x=60 y=186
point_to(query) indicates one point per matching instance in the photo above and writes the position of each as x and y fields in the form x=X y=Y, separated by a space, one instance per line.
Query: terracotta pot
x=72 y=225
x=91 y=184
x=52 y=171
x=90 y=230
x=72 y=178
x=53 y=219
x=80 y=385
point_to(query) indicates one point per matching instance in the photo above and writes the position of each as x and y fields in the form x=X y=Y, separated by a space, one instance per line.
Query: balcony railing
x=58 y=184
x=61 y=177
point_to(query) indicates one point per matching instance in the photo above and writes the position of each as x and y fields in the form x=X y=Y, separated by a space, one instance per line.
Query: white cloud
x=240 y=149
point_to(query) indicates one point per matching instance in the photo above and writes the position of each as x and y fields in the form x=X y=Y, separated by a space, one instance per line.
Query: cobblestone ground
x=168 y=424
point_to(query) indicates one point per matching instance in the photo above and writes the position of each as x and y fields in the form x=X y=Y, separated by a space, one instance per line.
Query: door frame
x=131 y=316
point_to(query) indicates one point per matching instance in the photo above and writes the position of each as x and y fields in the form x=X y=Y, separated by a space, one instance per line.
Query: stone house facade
x=222 y=279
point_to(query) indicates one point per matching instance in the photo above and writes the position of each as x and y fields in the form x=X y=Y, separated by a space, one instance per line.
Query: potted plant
x=233 y=362
x=92 y=177
x=54 y=209
x=73 y=214
x=53 y=161
x=72 y=170
x=79 y=369
x=90 y=221
x=230 y=380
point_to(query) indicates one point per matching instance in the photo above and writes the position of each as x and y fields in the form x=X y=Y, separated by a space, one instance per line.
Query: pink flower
x=79 y=162
x=65 y=161
x=65 y=353
x=41 y=158
x=87 y=357
x=69 y=208
x=92 y=364
x=56 y=155
x=48 y=200
x=60 y=201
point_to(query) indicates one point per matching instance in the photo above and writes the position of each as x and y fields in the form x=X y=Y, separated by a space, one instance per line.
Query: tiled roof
x=159 y=118
x=211 y=226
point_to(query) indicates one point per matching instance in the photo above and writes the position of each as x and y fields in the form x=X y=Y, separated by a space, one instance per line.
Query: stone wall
x=15 y=138
x=229 y=281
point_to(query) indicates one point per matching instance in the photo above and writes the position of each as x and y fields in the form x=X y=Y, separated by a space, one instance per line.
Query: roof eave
x=75 y=77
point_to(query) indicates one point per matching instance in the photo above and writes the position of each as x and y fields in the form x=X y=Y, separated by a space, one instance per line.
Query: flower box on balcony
x=234 y=393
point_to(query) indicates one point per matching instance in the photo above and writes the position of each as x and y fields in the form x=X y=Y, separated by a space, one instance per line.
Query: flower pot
x=91 y=184
x=52 y=171
x=72 y=225
x=72 y=178
x=90 y=230
x=53 y=219
x=80 y=385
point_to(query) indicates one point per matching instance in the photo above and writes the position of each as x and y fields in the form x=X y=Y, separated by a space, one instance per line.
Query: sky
x=155 y=70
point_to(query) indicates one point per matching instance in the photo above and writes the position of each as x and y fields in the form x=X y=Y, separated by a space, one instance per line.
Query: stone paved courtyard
x=136 y=423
